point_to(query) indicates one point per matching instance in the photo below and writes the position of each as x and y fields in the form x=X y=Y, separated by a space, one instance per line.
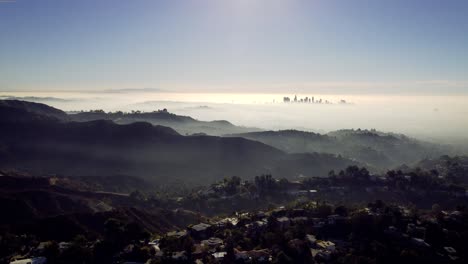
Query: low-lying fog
x=438 y=118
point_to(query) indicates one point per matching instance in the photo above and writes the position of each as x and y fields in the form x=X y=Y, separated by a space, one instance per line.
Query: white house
x=38 y=260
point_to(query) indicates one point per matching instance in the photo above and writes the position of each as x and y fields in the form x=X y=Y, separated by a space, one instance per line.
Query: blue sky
x=353 y=46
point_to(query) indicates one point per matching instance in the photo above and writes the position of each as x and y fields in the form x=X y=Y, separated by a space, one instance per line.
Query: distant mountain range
x=44 y=140
x=185 y=125
x=370 y=147
x=12 y=109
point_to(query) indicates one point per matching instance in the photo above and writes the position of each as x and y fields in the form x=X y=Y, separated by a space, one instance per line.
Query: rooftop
x=200 y=227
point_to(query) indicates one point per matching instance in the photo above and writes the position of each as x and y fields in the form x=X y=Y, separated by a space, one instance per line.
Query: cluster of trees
x=121 y=113
x=351 y=175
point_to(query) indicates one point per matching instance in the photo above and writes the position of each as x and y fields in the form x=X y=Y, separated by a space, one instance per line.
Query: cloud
x=417 y=87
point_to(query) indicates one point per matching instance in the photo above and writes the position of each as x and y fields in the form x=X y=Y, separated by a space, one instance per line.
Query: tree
x=436 y=209
x=341 y=210
x=188 y=245
x=51 y=252
x=138 y=196
x=283 y=258
x=134 y=232
x=324 y=210
x=113 y=228
x=104 y=251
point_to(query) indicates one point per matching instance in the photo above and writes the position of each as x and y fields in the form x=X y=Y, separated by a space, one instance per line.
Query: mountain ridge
x=156 y=153
x=370 y=147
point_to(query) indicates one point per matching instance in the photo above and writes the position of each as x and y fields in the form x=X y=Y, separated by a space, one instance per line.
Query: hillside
x=370 y=147
x=185 y=125
x=454 y=168
x=36 y=205
x=32 y=108
x=156 y=153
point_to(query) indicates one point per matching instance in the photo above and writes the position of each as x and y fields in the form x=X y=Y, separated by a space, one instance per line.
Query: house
x=179 y=256
x=199 y=251
x=212 y=243
x=227 y=221
x=177 y=234
x=418 y=242
x=200 y=231
x=326 y=245
x=260 y=255
x=311 y=239
x=450 y=250
x=64 y=245
x=38 y=260
x=324 y=255
x=219 y=255
x=283 y=222
x=336 y=219
x=299 y=220
x=200 y=227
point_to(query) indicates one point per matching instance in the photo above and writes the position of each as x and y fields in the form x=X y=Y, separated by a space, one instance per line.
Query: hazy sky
x=237 y=46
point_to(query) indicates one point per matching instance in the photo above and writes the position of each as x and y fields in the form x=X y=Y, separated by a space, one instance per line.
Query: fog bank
x=438 y=118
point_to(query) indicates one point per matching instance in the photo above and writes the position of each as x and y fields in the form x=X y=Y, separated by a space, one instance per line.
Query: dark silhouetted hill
x=183 y=124
x=32 y=108
x=156 y=153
